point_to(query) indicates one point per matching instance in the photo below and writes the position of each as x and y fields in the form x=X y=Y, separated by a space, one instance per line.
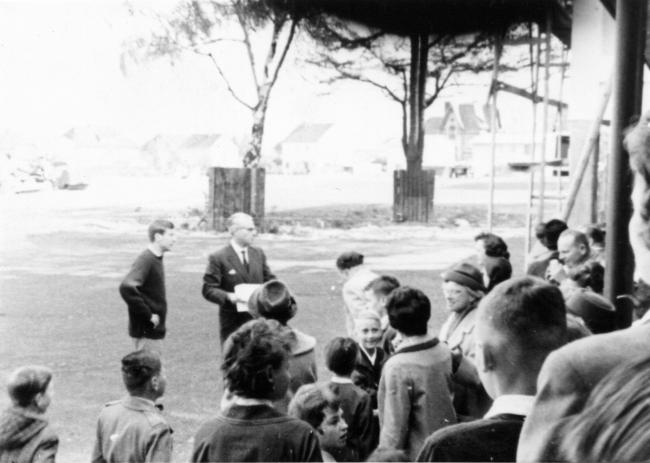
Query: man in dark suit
x=234 y=264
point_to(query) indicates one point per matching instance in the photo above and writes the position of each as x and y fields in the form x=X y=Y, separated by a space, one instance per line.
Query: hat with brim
x=273 y=300
x=465 y=274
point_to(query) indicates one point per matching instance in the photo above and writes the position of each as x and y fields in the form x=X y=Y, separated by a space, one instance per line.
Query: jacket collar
x=139 y=403
x=418 y=347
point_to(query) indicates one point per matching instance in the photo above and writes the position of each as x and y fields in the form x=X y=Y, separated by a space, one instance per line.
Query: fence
x=235 y=190
x=413 y=195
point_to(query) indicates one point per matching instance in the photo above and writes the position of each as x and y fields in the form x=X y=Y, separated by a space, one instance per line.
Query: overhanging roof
x=404 y=17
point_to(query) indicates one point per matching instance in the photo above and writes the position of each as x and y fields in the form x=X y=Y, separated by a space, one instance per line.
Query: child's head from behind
x=409 y=310
x=142 y=374
x=30 y=387
x=367 y=329
x=318 y=406
x=377 y=291
x=341 y=356
x=255 y=361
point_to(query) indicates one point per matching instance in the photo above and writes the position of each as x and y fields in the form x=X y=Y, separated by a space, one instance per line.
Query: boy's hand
x=155 y=320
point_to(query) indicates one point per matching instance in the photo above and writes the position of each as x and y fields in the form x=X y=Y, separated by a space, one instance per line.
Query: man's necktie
x=244 y=260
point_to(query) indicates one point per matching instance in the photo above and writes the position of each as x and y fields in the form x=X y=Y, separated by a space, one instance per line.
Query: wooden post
x=413 y=195
x=235 y=190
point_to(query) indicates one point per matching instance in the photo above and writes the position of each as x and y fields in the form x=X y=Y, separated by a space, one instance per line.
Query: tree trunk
x=254 y=151
x=413 y=189
x=416 y=99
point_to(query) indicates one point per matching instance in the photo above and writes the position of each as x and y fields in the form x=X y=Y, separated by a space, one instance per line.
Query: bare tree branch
x=292 y=32
x=225 y=79
x=249 y=46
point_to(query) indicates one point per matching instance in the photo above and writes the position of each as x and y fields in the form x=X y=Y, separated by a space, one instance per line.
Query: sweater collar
x=417 y=346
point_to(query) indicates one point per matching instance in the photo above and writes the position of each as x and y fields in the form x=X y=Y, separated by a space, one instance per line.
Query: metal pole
x=627 y=95
x=493 y=128
x=534 y=80
x=547 y=76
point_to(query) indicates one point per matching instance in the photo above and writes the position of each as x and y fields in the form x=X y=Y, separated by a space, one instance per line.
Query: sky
x=60 y=68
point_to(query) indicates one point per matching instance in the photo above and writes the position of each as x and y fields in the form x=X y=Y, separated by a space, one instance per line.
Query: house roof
x=469 y=118
x=199 y=141
x=307 y=133
x=177 y=142
x=466 y=118
x=97 y=135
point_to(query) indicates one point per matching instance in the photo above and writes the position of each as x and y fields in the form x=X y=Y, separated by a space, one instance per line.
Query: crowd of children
x=515 y=372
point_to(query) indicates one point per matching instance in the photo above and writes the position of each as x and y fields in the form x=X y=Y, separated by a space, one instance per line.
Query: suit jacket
x=489 y=439
x=566 y=380
x=225 y=271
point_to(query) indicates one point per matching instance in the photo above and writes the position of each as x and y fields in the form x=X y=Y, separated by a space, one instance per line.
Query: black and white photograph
x=324 y=230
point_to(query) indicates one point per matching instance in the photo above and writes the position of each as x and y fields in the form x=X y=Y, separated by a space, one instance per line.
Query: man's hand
x=155 y=320
x=555 y=271
x=233 y=298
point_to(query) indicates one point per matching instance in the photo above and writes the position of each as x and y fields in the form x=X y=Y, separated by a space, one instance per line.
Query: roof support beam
x=627 y=95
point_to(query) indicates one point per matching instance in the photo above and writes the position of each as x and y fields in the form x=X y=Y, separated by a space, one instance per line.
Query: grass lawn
x=59 y=306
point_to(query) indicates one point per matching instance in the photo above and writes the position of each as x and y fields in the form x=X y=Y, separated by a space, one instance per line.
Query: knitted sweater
x=143 y=290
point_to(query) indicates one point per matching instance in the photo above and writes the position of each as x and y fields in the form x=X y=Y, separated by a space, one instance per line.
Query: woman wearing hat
x=463 y=289
x=274 y=301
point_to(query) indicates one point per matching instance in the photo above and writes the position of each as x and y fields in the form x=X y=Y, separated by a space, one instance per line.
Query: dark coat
x=224 y=272
x=26 y=437
x=255 y=433
x=492 y=439
x=366 y=375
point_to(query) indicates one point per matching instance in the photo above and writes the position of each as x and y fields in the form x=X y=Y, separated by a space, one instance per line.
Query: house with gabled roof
x=188 y=152
x=447 y=142
x=311 y=146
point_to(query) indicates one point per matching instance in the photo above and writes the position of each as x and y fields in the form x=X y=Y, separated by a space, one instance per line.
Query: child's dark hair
x=494 y=245
x=248 y=353
x=408 y=310
x=341 y=356
x=138 y=368
x=159 y=226
x=382 y=285
x=26 y=382
x=310 y=401
x=347 y=260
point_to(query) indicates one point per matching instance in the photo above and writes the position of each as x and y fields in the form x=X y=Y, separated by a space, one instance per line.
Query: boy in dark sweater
x=518 y=324
x=340 y=358
x=143 y=289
